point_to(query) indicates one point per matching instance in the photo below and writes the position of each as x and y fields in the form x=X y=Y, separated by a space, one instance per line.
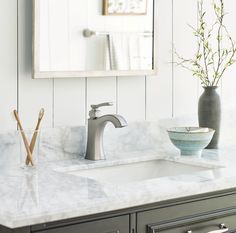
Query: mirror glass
x=75 y=38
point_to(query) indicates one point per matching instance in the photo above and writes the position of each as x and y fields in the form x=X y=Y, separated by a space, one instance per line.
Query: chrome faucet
x=96 y=125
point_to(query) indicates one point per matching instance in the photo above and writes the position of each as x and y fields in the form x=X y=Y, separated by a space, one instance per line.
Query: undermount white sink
x=139 y=171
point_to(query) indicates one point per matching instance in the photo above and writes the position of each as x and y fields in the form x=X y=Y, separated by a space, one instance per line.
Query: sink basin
x=139 y=171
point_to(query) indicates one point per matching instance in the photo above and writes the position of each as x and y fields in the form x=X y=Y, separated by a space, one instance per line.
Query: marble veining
x=48 y=193
x=70 y=142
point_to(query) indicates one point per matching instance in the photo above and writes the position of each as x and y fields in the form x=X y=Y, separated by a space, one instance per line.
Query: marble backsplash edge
x=70 y=142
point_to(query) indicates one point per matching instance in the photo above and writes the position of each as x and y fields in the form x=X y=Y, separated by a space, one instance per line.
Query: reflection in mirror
x=93 y=35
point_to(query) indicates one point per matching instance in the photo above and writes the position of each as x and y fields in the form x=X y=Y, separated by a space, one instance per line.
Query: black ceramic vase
x=209 y=113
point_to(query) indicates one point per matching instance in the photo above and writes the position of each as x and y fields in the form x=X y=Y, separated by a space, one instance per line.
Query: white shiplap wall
x=66 y=101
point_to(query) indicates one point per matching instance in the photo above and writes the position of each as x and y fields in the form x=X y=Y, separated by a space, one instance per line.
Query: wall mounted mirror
x=92 y=38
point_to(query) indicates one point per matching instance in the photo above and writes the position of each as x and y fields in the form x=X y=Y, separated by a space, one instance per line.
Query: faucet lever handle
x=95 y=112
x=96 y=106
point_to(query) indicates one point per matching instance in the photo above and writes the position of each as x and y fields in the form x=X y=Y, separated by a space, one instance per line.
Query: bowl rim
x=173 y=130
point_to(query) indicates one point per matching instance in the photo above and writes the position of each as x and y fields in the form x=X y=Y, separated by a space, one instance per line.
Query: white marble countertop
x=49 y=194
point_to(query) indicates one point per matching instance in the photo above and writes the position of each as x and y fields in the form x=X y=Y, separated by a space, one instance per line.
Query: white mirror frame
x=74 y=74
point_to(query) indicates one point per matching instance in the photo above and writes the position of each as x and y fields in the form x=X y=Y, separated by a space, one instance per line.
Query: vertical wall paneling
x=185 y=85
x=228 y=80
x=159 y=89
x=8 y=63
x=33 y=94
x=70 y=95
x=69 y=102
x=101 y=90
x=131 y=98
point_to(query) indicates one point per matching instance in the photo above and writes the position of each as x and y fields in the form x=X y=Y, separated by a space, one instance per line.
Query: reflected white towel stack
x=128 y=52
x=118 y=47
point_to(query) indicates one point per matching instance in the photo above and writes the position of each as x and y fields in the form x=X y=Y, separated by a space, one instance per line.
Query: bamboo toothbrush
x=33 y=140
x=29 y=154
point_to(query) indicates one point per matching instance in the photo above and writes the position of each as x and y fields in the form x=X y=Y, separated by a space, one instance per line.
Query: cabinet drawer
x=110 y=225
x=183 y=211
x=198 y=224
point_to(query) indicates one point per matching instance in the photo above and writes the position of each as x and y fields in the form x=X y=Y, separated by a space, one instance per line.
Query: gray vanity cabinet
x=110 y=225
x=199 y=216
x=196 y=224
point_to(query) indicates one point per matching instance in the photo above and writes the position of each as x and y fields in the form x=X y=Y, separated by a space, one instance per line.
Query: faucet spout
x=95 y=134
x=117 y=120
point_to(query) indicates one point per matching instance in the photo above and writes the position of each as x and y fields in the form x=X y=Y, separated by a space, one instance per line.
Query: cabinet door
x=198 y=224
x=174 y=213
x=110 y=225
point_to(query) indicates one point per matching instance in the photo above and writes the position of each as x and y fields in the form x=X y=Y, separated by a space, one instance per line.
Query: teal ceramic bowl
x=190 y=140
